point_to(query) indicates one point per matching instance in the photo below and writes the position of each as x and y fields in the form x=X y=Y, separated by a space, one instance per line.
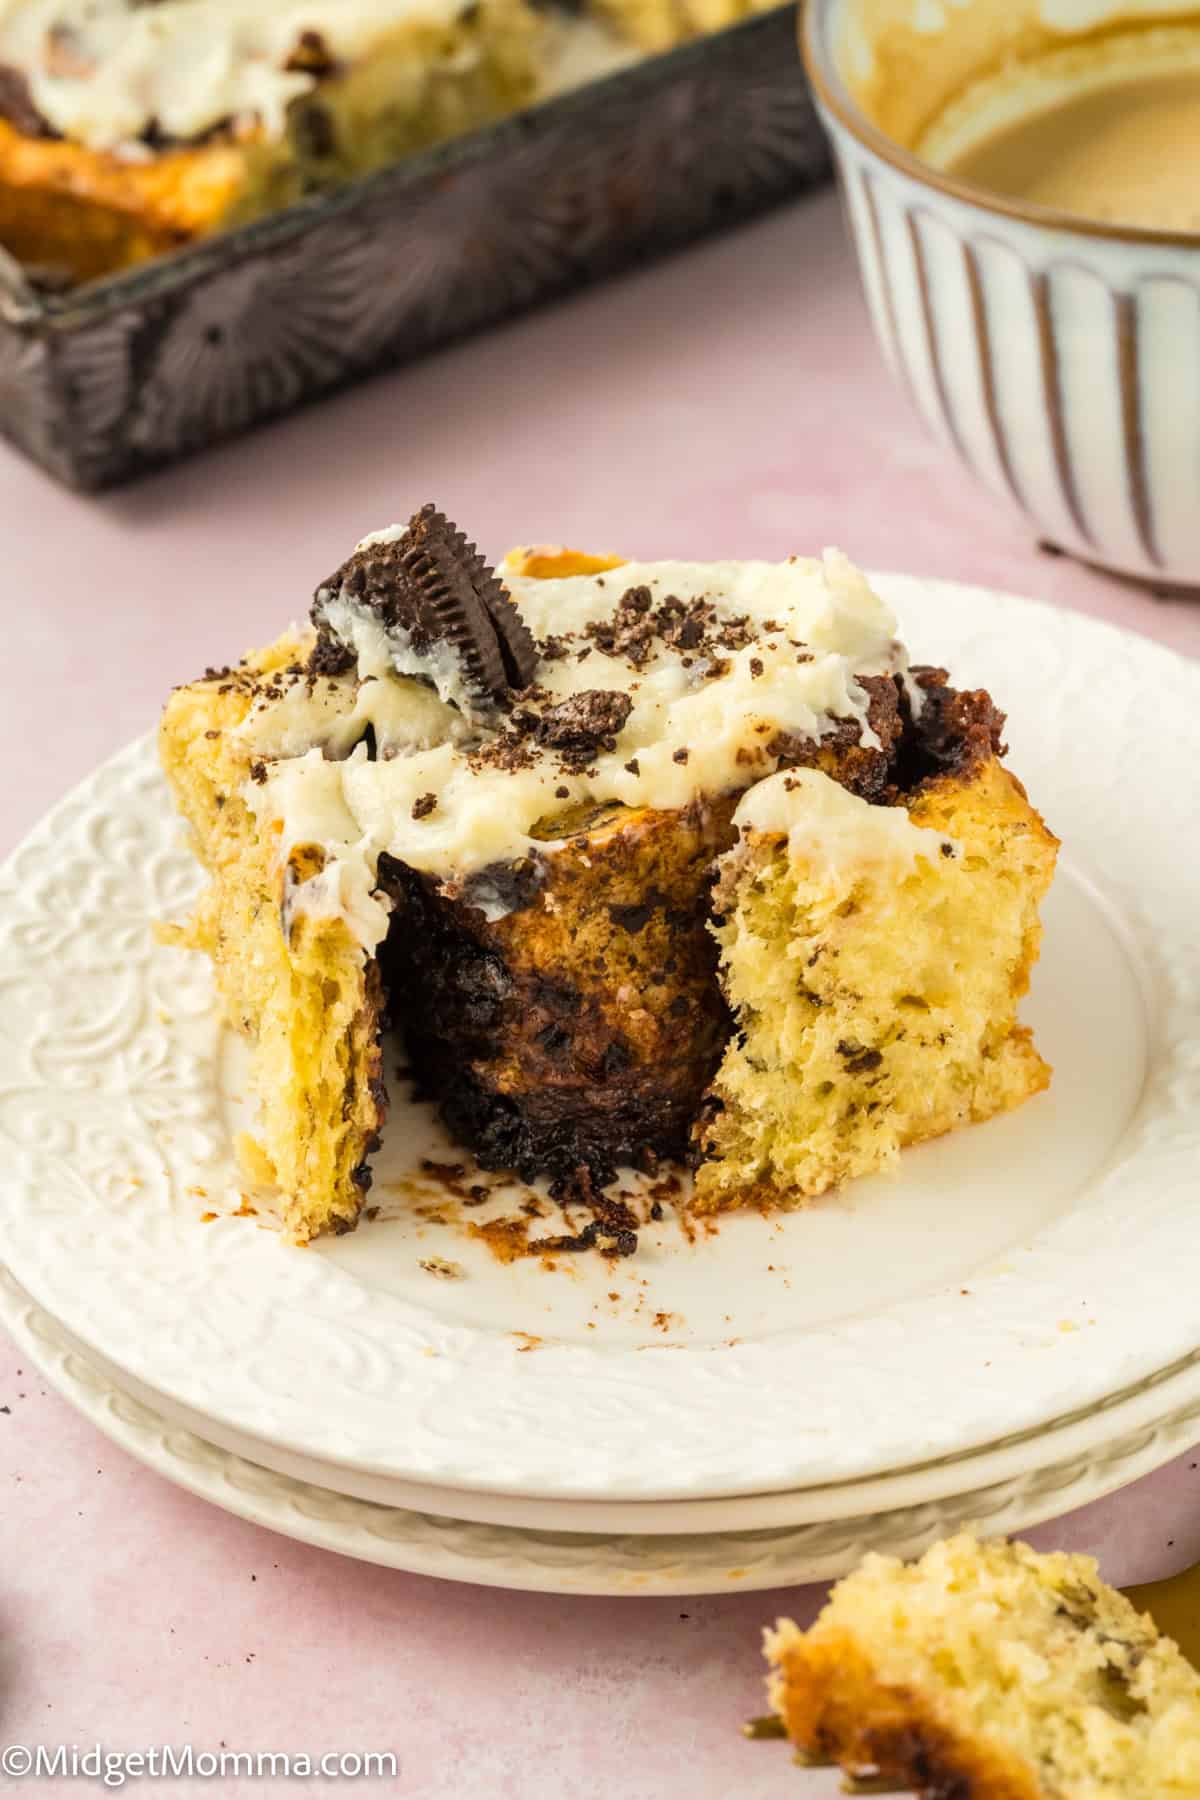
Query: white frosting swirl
x=832 y=831
x=693 y=730
x=102 y=71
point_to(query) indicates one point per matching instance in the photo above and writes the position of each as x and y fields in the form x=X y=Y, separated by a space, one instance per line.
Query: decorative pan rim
x=22 y=305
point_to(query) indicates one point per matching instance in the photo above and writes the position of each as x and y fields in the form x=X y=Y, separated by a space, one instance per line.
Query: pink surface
x=730 y=402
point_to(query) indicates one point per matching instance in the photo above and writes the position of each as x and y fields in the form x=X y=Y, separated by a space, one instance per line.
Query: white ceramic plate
x=1151 y=1419
x=565 y=1562
x=1010 y=1275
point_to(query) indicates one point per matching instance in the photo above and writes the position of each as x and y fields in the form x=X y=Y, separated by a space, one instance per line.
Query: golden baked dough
x=302 y=992
x=990 y=1672
x=91 y=212
x=658 y=25
x=873 y=1011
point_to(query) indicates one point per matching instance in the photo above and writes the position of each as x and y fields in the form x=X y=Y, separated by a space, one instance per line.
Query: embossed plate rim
x=90 y=1251
x=565 y=1562
x=1134 y=1416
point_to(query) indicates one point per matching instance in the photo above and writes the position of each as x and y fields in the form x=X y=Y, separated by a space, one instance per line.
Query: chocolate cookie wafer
x=428 y=591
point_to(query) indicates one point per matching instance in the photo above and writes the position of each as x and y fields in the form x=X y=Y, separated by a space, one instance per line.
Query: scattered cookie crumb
x=444 y=1270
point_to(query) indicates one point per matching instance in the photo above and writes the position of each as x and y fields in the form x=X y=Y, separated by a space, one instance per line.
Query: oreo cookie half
x=517 y=646
x=430 y=591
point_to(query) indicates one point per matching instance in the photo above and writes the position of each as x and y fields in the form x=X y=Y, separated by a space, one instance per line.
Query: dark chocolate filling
x=532 y=1066
x=956 y=731
x=529 y=1064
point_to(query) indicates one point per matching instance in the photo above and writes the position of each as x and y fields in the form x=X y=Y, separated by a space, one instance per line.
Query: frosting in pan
x=782 y=655
x=106 y=72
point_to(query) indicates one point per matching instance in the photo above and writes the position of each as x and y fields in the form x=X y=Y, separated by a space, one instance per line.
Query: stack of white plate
x=1005 y=1330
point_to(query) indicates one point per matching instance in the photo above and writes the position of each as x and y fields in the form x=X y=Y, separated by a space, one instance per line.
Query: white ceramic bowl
x=1060 y=358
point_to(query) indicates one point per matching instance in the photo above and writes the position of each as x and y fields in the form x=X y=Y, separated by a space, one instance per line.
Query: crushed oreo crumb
x=612 y=1221
x=442 y=1268
x=311 y=56
x=579 y=728
x=857 y=1060
x=329 y=656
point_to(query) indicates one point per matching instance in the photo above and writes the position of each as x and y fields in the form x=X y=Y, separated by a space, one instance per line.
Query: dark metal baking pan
x=106 y=381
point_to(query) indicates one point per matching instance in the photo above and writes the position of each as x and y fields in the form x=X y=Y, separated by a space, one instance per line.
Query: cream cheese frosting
x=441 y=793
x=102 y=72
x=333 y=715
x=832 y=831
